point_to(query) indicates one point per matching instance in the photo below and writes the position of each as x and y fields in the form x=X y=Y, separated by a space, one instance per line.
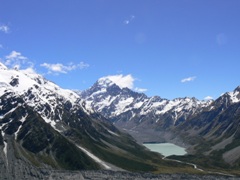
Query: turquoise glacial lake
x=166 y=149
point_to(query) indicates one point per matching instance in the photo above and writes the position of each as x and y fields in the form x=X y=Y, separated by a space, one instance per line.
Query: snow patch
x=122 y=105
x=138 y=105
x=16 y=133
x=112 y=133
x=234 y=96
x=168 y=107
x=12 y=110
x=95 y=158
x=104 y=103
x=19 y=128
x=5 y=145
x=5 y=148
x=103 y=90
x=88 y=106
x=51 y=122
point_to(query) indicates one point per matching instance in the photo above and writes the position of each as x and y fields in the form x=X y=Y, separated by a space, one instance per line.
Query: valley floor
x=113 y=175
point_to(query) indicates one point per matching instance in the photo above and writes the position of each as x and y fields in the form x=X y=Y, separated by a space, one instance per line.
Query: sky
x=169 y=48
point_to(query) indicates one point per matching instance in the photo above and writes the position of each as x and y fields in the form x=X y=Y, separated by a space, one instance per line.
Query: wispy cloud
x=16 y=59
x=14 y=55
x=121 y=80
x=124 y=81
x=60 y=68
x=4 y=28
x=208 y=98
x=141 y=90
x=129 y=20
x=1 y=46
x=188 y=79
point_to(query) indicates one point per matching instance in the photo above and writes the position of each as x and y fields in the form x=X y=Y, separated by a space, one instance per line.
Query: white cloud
x=55 y=67
x=121 y=80
x=208 y=98
x=1 y=46
x=60 y=68
x=188 y=79
x=16 y=59
x=141 y=90
x=129 y=19
x=83 y=65
x=4 y=28
x=14 y=55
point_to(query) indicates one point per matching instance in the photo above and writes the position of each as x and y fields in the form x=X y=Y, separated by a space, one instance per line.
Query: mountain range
x=43 y=126
x=208 y=129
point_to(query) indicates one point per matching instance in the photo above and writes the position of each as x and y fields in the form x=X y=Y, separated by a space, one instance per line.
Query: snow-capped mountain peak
x=229 y=98
x=115 y=103
x=44 y=96
x=235 y=95
x=237 y=89
x=21 y=81
x=105 y=82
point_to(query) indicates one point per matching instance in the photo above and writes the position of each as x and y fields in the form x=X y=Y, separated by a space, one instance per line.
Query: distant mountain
x=209 y=128
x=216 y=132
x=45 y=126
x=134 y=111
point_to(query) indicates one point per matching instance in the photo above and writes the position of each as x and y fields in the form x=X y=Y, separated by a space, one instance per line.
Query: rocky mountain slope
x=46 y=126
x=210 y=128
x=215 y=132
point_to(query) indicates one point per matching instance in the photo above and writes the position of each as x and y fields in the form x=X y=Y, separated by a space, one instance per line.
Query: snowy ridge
x=20 y=82
x=112 y=101
x=105 y=82
x=227 y=99
x=44 y=96
x=235 y=95
x=20 y=88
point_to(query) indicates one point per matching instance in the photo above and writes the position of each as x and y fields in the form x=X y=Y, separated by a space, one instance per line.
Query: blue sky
x=170 y=48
